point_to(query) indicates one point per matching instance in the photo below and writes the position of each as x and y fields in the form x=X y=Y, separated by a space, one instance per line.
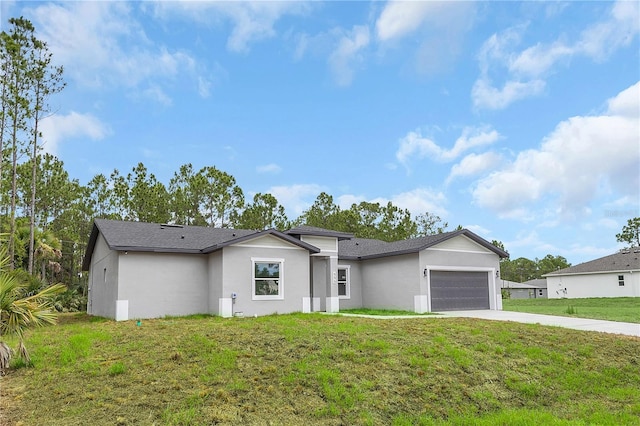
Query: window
x=344 y=287
x=268 y=279
x=621 y=280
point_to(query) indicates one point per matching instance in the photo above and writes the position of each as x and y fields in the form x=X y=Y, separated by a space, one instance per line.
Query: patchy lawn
x=381 y=312
x=625 y=309
x=319 y=369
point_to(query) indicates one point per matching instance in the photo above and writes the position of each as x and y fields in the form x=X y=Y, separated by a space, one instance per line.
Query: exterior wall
x=390 y=282
x=327 y=245
x=454 y=258
x=521 y=293
x=103 y=281
x=355 y=284
x=161 y=284
x=526 y=293
x=319 y=271
x=594 y=285
x=214 y=267
x=237 y=276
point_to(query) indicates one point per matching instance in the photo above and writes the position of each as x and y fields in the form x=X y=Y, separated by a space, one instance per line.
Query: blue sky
x=519 y=121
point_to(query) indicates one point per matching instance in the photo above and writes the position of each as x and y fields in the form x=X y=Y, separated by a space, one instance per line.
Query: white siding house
x=616 y=275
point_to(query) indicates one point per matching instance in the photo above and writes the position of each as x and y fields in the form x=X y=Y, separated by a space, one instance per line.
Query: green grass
x=322 y=370
x=625 y=309
x=381 y=312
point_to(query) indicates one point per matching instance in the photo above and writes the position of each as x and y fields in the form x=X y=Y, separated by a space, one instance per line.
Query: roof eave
x=93 y=237
x=613 y=271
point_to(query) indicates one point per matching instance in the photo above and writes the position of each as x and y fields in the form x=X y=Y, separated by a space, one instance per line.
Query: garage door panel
x=459 y=290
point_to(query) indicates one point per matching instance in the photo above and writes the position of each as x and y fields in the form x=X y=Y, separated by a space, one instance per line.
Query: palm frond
x=5 y=357
x=24 y=353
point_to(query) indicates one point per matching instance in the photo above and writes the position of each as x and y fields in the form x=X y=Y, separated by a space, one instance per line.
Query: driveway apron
x=626 y=328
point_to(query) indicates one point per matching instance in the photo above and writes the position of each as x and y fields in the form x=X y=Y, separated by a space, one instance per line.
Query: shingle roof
x=362 y=248
x=155 y=237
x=513 y=284
x=313 y=230
x=538 y=282
x=624 y=260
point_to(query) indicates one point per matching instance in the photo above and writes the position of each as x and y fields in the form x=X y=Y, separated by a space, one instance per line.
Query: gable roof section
x=319 y=232
x=155 y=237
x=624 y=260
x=362 y=248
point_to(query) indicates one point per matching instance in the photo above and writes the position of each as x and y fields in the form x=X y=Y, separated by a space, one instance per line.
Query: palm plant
x=20 y=312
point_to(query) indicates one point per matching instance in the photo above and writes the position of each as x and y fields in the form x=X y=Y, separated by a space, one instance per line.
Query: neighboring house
x=148 y=270
x=533 y=289
x=617 y=275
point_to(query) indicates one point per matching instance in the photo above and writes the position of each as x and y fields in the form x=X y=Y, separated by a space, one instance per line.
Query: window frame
x=347 y=282
x=280 y=279
x=620 y=280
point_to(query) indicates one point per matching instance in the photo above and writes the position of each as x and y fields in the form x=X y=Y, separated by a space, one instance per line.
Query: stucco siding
x=593 y=285
x=160 y=284
x=327 y=245
x=319 y=271
x=439 y=258
x=355 y=285
x=390 y=282
x=237 y=276
x=214 y=267
x=464 y=244
x=103 y=279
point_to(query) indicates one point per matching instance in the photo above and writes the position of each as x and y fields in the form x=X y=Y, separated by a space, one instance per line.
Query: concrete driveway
x=626 y=328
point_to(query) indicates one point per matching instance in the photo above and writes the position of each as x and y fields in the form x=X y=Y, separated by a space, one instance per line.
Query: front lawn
x=625 y=309
x=321 y=370
x=382 y=312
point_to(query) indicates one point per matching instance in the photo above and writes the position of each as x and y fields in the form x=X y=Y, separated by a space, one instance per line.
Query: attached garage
x=459 y=290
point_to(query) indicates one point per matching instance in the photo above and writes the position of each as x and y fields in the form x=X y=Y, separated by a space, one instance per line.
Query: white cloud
x=527 y=69
x=101 y=46
x=269 y=168
x=422 y=200
x=480 y=230
x=415 y=146
x=474 y=164
x=345 y=201
x=296 y=198
x=417 y=201
x=400 y=18
x=584 y=157
x=57 y=128
x=484 y=95
x=155 y=93
x=251 y=21
x=347 y=54
x=437 y=30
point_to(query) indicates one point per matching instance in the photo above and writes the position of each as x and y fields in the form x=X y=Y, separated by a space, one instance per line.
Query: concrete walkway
x=614 y=327
x=626 y=328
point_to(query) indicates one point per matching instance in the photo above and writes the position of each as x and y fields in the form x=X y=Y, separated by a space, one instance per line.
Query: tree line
x=46 y=215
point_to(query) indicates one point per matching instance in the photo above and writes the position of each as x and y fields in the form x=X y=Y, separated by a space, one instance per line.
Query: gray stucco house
x=532 y=289
x=149 y=270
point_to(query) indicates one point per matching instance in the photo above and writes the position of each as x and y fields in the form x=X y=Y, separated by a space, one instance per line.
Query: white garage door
x=459 y=290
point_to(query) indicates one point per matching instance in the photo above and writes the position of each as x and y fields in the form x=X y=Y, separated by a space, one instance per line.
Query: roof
x=363 y=248
x=531 y=284
x=538 y=282
x=163 y=238
x=313 y=230
x=624 y=260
